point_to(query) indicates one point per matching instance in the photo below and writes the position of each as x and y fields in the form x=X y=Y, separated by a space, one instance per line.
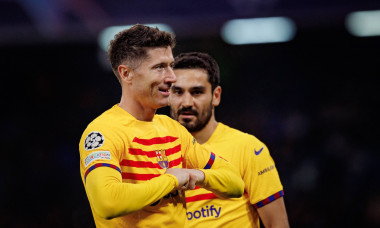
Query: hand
x=187 y=178
x=198 y=175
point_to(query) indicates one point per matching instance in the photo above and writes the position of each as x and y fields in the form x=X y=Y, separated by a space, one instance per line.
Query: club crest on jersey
x=162 y=160
x=93 y=140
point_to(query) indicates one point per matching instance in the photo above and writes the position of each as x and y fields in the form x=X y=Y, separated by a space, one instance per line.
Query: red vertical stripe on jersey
x=157 y=140
x=201 y=197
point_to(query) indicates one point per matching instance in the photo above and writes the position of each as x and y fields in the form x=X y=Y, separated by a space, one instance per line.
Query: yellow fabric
x=103 y=180
x=218 y=180
x=238 y=148
x=122 y=165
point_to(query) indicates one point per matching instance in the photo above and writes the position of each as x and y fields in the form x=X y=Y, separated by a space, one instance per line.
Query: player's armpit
x=273 y=215
x=111 y=198
x=223 y=179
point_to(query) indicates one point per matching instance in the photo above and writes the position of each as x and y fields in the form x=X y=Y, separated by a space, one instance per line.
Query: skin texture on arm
x=273 y=215
x=110 y=197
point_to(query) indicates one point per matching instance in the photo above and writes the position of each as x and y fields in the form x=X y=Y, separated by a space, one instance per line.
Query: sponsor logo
x=211 y=211
x=258 y=152
x=194 y=140
x=96 y=156
x=162 y=160
x=267 y=169
x=93 y=140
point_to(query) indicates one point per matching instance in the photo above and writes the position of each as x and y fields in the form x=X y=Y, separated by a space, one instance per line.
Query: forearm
x=111 y=198
x=223 y=179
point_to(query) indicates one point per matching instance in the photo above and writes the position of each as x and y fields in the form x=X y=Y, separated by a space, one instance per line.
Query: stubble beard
x=200 y=122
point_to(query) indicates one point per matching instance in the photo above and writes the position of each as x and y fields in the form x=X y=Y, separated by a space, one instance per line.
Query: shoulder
x=238 y=137
x=109 y=121
x=167 y=121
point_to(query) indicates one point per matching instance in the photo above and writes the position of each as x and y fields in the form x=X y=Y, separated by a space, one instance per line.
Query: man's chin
x=187 y=124
x=162 y=104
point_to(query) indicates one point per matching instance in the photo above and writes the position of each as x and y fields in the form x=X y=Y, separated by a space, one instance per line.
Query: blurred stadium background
x=312 y=99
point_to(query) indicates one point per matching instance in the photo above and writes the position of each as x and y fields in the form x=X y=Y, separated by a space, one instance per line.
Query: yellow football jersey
x=141 y=151
x=257 y=168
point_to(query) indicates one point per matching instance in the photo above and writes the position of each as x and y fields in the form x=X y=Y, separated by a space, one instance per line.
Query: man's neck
x=136 y=110
x=203 y=135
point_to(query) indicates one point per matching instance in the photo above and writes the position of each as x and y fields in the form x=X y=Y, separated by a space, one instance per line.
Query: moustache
x=187 y=111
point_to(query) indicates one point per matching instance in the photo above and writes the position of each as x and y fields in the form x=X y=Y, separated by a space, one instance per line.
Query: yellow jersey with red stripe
x=258 y=170
x=141 y=151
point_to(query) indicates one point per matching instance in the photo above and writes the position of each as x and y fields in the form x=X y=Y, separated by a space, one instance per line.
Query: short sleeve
x=260 y=175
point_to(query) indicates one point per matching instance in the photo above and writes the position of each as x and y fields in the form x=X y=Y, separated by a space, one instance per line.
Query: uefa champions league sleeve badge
x=93 y=140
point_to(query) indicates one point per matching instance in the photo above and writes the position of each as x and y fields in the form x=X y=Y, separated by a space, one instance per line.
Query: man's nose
x=188 y=100
x=170 y=76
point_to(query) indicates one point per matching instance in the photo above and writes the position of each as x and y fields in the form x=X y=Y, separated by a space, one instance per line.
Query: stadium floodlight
x=258 y=30
x=108 y=34
x=363 y=23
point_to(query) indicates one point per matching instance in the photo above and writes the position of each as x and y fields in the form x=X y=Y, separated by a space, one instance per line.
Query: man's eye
x=197 y=92
x=178 y=92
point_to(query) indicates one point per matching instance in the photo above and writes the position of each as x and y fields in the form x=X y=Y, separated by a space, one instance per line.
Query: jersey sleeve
x=262 y=182
x=111 y=198
x=221 y=177
x=98 y=146
x=100 y=170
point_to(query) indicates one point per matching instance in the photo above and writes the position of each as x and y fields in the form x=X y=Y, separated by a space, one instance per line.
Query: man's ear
x=216 y=96
x=125 y=73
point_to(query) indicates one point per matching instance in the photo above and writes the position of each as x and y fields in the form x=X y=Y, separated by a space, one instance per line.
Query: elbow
x=109 y=210
x=234 y=190
x=237 y=191
x=105 y=210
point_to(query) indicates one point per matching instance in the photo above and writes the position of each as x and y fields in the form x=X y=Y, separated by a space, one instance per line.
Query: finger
x=192 y=181
x=185 y=186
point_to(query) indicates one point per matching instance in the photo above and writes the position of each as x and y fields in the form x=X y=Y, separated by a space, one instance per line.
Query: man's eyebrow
x=198 y=88
x=163 y=63
x=176 y=87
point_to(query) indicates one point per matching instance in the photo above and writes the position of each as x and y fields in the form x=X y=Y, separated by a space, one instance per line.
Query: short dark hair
x=130 y=45
x=199 y=60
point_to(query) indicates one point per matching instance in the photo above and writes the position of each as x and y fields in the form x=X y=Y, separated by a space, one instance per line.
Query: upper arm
x=274 y=214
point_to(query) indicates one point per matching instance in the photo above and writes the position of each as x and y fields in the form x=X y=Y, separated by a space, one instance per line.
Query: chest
x=148 y=152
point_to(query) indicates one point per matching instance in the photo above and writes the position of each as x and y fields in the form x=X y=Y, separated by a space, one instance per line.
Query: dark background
x=312 y=100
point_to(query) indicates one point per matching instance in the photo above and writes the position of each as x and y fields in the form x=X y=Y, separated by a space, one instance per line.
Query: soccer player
x=134 y=164
x=194 y=97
